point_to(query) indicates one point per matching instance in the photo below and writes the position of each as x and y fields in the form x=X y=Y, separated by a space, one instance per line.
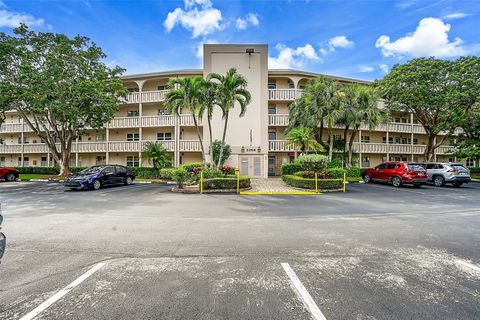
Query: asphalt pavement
x=142 y=252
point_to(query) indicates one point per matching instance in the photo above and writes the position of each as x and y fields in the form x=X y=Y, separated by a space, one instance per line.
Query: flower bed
x=229 y=182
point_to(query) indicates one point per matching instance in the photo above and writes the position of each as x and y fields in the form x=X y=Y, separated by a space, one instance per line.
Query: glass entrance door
x=271 y=166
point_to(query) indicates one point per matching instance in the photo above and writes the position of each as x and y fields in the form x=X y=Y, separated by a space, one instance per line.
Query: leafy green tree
x=467 y=144
x=440 y=93
x=186 y=94
x=303 y=139
x=216 y=148
x=232 y=89
x=58 y=85
x=156 y=154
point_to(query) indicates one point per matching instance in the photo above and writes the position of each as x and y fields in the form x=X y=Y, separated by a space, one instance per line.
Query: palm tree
x=362 y=108
x=186 y=93
x=303 y=139
x=232 y=89
x=156 y=154
x=208 y=100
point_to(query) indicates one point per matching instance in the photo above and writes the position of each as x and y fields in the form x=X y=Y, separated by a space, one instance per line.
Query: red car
x=398 y=173
x=8 y=174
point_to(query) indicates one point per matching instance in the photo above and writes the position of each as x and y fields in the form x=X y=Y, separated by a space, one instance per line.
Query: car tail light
x=452 y=170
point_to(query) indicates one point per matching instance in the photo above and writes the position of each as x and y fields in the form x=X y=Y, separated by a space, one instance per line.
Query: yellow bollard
x=316 y=183
x=201 y=181
x=344 y=182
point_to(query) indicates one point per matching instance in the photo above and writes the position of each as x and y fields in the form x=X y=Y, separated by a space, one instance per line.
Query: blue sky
x=359 y=39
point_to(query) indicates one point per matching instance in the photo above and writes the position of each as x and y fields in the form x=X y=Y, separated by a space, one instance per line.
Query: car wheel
x=457 y=184
x=10 y=177
x=439 y=181
x=128 y=181
x=367 y=178
x=397 y=181
x=417 y=185
x=96 y=185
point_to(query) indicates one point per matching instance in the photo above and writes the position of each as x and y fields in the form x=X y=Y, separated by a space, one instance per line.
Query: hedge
x=192 y=165
x=46 y=170
x=336 y=173
x=474 y=169
x=151 y=173
x=291 y=168
x=226 y=183
x=323 y=184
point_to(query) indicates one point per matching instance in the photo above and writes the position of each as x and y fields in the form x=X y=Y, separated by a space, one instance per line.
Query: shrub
x=354 y=172
x=226 y=183
x=46 y=170
x=192 y=165
x=291 y=168
x=181 y=176
x=210 y=173
x=226 y=169
x=166 y=173
x=305 y=174
x=323 y=184
x=336 y=173
x=145 y=172
x=474 y=169
x=313 y=162
x=335 y=163
x=227 y=151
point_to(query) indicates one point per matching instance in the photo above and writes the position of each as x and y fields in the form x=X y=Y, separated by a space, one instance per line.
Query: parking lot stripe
x=303 y=293
x=60 y=294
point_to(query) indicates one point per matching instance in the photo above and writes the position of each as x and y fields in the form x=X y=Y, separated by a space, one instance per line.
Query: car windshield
x=91 y=170
x=415 y=166
x=458 y=167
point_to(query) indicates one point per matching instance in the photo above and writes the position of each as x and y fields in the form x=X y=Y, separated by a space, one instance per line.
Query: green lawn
x=28 y=176
x=476 y=176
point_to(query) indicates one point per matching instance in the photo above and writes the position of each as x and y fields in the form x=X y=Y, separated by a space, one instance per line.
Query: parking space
x=375 y=252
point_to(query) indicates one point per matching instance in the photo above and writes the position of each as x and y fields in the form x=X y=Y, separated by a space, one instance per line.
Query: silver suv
x=441 y=173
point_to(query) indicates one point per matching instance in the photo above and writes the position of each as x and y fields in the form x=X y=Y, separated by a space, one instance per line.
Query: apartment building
x=257 y=139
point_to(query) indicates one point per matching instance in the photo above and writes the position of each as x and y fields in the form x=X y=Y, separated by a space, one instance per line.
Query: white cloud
x=13 y=19
x=199 y=48
x=199 y=17
x=383 y=67
x=2 y=4
x=429 y=39
x=457 y=15
x=292 y=58
x=366 y=69
x=340 y=42
x=250 y=19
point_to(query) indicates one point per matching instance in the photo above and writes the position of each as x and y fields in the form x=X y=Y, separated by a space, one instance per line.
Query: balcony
x=278 y=119
x=146 y=96
x=189 y=145
x=124 y=122
x=159 y=121
x=279 y=145
x=284 y=94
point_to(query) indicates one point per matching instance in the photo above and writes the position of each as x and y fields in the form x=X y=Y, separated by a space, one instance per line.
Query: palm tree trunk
x=210 y=149
x=199 y=136
x=223 y=140
x=350 y=147
x=345 y=134
x=330 y=145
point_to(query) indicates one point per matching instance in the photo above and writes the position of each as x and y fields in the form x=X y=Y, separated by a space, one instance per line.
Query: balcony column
x=140 y=132
x=435 y=150
x=388 y=142
x=22 y=137
x=107 y=140
x=48 y=157
x=176 y=137
x=360 y=164
x=76 y=152
x=411 y=135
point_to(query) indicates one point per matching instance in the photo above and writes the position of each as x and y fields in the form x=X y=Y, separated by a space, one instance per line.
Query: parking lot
x=142 y=252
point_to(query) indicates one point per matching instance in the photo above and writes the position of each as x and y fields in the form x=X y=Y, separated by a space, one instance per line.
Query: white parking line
x=303 y=294
x=60 y=294
x=392 y=188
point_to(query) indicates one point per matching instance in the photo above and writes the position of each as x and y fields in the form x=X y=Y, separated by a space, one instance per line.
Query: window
x=365 y=139
x=404 y=120
x=272 y=85
x=101 y=160
x=2 y=161
x=133 y=137
x=405 y=141
x=109 y=169
x=2 y=141
x=391 y=166
x=100 y=137
x=415 y=141
x=272 y=135
x=470 y=163
x=291 y=85
x=337 y=137
x=25 y=161
x=272 y=109
x=381 y=166
x=25 y=140
x=164 y=87
x=366 y=161
x=121 y=169
x=132 y=161
x=390 y=140
x=132 y=89
x=398 y=120
x=164 y=136
x=34 y=162
x=132 y=113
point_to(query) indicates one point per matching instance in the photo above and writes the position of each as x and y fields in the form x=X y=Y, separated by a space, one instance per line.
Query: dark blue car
x=98 y=176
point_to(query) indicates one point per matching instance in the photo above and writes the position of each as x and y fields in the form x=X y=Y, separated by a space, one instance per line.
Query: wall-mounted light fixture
x=249 y=51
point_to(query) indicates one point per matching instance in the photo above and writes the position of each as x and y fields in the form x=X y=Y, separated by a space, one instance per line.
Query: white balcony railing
x=279 y=145
x=284 y=94
x=158 y=121
x=124 y=122
x=278 y=119
x=146 y=96
x=189 y=145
